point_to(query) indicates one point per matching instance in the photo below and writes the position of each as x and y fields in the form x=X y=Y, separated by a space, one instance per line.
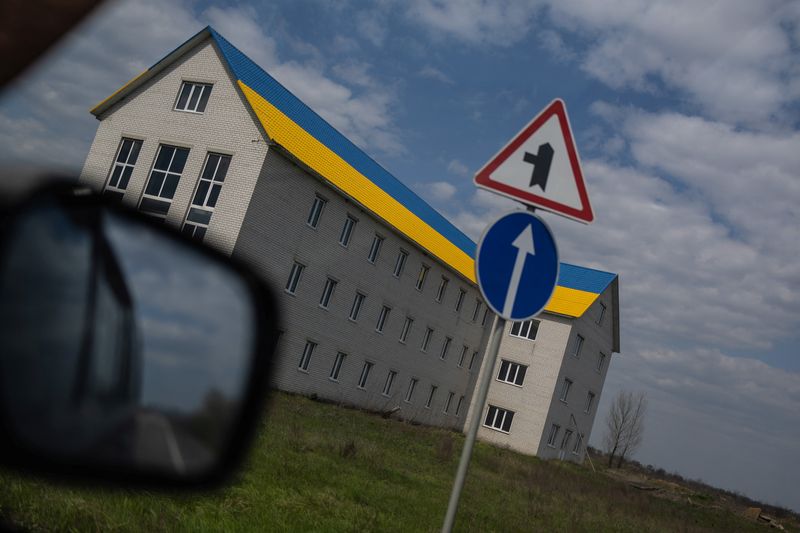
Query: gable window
x=431 y=394
x=327 y=293
x=448 y=402
x=193 y=97
x=576 y=352
x=589 y=401
x=358 y=301
x=565 y=389
x=602 y=314
x=566 y=438
x=375 y=248
x=601 y=361
x=163 y=180
x=410 y=392
x=513 y=373
x=316 y=211
x=426 y=339
x=205 y=196
x=525 y=330
x=499 y=419
x=387 y=386
x=442 y=288
x=551 y=439
x=462 y=355
x=423 y=273
x=384 y=314
x=458 y=405
x=445 y=347
x=305 y=359
x=337 y=366
x=347 y=231
x=473 y=359
x=294 y=277
x=365 y=370
x=127 y=155
x=400 y=263
x=460 y=299
x=477 y=310
x=406 y=329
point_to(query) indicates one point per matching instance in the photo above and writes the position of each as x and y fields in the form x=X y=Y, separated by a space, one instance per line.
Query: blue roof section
x=257 y=79
x=584 y=279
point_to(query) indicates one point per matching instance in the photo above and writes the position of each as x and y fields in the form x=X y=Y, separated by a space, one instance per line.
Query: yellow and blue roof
x=313 y=141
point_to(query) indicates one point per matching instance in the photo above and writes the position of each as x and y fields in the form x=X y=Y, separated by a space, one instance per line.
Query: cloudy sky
x=686 y=115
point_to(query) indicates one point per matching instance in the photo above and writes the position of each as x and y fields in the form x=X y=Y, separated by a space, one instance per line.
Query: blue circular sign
x=516 y=265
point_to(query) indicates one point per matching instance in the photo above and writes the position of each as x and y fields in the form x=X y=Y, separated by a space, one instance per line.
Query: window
x=442 y=288
x=193 y=97
x=127 y=154
x=327 y=292
x=205 y=196
x=375 y=248
x=462 y=355
x=565 y=389
x=551 y=440
x=400 y=263
x=499 y=419
x=445 y=347
x=485 y=316
x=316 y=212
x=294 y=277
x=358 y=301
x=601 y=361
x=460 y=299
x=448 y=402
x=365 y=370
x=458 y=405
x=566 y=438
x=337 y=366
x=347 y=230
x=423 y=273
x=525 y=330
x=406 y=329
x=387 y=386
x=426 y=339
x=384 y=314
x=163 y=180
x=431 y=394
x=305 y=359
x=576 y=352
x=473 y=359
x=602 y=314
x=477 y=310
x=410 y=392
x=578 y=441
x=589 y=401
x=513 y=373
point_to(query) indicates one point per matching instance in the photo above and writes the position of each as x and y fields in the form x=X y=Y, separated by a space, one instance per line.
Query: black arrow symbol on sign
x=541 y=164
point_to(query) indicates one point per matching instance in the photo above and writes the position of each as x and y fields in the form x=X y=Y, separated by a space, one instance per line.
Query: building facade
x=379 y=303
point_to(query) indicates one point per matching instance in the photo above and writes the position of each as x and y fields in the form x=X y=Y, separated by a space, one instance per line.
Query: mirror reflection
x=122 y=346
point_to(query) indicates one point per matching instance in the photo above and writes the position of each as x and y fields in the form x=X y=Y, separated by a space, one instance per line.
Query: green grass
x=318 y=467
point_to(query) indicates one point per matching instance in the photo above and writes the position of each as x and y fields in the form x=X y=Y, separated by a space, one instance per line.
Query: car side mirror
x=129 y=353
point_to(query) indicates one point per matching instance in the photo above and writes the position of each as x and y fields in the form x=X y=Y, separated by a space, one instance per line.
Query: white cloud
x=457 y=168
x=440 y=191
x=433 y=73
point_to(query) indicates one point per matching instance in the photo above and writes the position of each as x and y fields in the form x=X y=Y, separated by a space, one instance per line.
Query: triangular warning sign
x=540 y=167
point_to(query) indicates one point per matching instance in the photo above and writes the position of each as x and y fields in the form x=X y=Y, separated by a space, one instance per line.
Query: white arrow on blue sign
x=517 y=265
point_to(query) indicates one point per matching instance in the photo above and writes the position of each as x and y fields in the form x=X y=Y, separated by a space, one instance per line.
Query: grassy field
x=319 y=467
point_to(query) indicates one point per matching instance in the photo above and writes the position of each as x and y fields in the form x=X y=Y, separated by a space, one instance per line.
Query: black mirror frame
x=18 y=457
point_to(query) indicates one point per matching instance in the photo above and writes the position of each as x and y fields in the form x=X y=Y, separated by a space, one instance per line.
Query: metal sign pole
x=469 y=442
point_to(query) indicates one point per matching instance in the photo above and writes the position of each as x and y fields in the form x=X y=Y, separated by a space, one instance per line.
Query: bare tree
x=625 y=425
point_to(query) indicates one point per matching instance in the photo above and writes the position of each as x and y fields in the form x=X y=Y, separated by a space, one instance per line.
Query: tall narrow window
x=387 y=385
x=423 y=273
x=551 y=439
x=601 y=361
x=205 y=196
x=375 y=248
x=163 y=180
x=426 y=339
x=400 y=263
x=294 y=277
x=565 y=440
x=337 y=366
x=589 y=401
x=499 y=419
x=445 y=347
x=305 y=359
x=382 y=317
x=316 y=212
x=578 y=441
x=406 y=329
x=458 y=405
x=565 y=389
x=462 y=355
x=602 y=314
x=485 y=316
x=473 y=359
x=477 y=310
x=193 y=97
x=513 y=373
x=448 y=402
x=576 y=352
x=365 y=370
x=358 y=301
x=327 y=293
x=120 y=175
x=442 y=289
x=410 y=392
x=525 y=330
x=347 y=230
x=460 y=299
x=431 y=394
